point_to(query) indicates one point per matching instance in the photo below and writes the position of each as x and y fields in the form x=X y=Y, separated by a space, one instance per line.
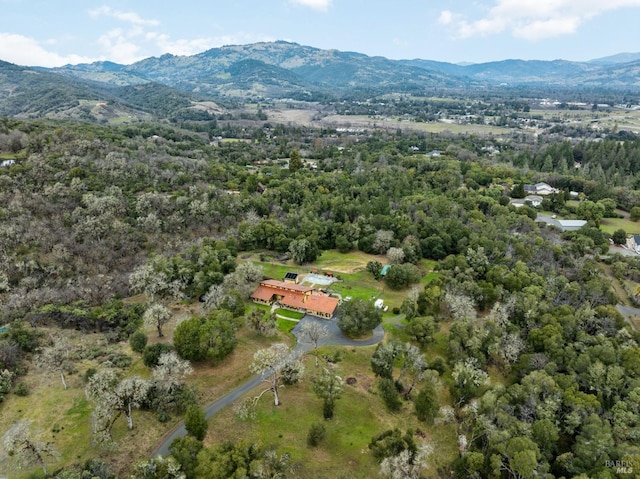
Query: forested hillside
x=504 y=355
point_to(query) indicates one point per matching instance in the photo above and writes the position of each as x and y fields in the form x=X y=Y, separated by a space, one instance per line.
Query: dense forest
x=512 y=343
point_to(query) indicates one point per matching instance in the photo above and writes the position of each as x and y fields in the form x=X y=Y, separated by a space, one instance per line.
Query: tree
x=467 y=377
x=261 y=322
x=170 y=372
x=56 y=357
x=619 y=236
x=384 y=357
x=395 y=255
x=195 y=422
x=19 y=441
x=243 y=280
x=185 y=451
x=113 y=398
x=426 y=403
x=131 y=393
x=382 y=241
x=389 y=394
x=157 y=468
x=328 y=387
x=295 y=161
x=156 y=316
x=358 y=317
x=406 y=465
x=138 y=341
x=213 y=298
x=154 y=283
x=402 y=275
x=460 y=306
x=375 y=268
x=635 y=213
x=303 y=251
x=213 y=338
x=314 y=332
x=6 y=381
x=422 y=329
x=518 y=190
x=151 y=354
x=271 y=363
x=590 y=211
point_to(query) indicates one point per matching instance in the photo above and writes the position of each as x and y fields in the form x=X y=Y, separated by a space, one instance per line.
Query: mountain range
x=287 y=70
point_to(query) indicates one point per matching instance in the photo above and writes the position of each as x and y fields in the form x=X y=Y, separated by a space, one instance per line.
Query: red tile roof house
x=296 y=297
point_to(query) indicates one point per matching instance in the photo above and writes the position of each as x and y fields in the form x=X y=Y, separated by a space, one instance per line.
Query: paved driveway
x=334 y=338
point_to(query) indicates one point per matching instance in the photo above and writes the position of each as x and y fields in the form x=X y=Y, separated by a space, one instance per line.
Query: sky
x=57 y=32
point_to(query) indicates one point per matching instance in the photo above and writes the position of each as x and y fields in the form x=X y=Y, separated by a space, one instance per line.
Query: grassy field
x=359 y=415
x=364 y=121
x=610 y=225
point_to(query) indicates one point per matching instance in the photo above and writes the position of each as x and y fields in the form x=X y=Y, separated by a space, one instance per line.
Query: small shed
x=385 y=269
x=379 y=303
x=291 y=277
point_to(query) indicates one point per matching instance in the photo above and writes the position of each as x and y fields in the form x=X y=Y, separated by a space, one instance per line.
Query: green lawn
x=359 y=415
x=610 y=225
x=295 y=315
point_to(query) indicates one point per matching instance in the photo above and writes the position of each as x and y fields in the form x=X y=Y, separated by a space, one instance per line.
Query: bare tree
x=214 y=297
x=56 y=358
x=272 y=363
x=382 y=241
x=112 y=399
x=314 y=332
x=460 y=306
x=406 y=464
x=156 y=315
x=171 y=371
x=278 y=367
x=130 y=393
x=395 y=255
x=20 y=442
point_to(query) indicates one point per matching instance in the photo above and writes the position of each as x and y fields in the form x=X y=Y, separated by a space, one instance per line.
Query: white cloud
x=23 y=50
x=532 y=19
x=129 y=17
x=321 y=5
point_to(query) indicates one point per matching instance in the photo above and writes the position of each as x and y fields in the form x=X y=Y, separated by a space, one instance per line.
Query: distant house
x=534 y=200
x=295 y=297
x=540 y=189
x=531 y=200
x=634 y=243
x=7 y=163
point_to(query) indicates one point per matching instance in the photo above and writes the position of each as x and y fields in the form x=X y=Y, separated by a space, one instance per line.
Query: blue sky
x=57 y=32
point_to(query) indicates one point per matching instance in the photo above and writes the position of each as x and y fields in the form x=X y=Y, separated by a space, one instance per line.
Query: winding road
x=333 y=338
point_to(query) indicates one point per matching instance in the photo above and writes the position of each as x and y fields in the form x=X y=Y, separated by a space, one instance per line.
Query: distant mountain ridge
x=289 y=70
x=283 y=69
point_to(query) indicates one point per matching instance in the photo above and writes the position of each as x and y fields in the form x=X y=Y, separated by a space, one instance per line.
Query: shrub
x=389 y=394
x=195 y=422
x=21 y=389
x=152 y=353
x=316 y=435
x=138 y=341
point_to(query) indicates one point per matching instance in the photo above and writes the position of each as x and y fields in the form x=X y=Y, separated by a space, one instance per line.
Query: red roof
x=322 y=303
x=263 y=293
x=295 y=296
x=273 y=283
